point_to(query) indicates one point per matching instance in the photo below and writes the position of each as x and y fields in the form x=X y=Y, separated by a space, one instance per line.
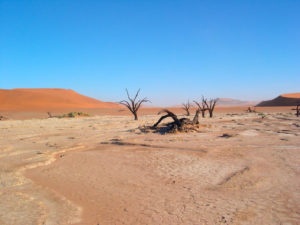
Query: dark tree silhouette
x=210 y=105
x=202 y=106
x=250 y=110
x=49 y=114
x=297 y=110
x=186 y=107
x=168 y=114
x=133 y=104
x=3 y=118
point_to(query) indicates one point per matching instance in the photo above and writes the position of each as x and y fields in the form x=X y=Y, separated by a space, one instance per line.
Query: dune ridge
x=229 y=102
x=48 y=98
x=290 y=99
x=291 y=95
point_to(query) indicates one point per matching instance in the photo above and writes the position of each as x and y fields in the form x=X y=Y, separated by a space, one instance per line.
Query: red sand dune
x=48 y=98
x=291 y=99
x=292 y=95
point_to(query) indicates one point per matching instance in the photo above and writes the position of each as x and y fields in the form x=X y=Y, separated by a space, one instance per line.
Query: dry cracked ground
x=237 y=169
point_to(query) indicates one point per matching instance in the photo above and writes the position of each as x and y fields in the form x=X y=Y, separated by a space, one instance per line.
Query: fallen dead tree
x=178 y=125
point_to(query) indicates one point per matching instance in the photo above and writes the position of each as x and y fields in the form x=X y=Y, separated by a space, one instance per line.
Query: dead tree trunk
x=182 y=125
x=211 y=106
x=186 y=107
x=196 y=117
x=135 y=115
x=133 y=104
x=297 y=110
x=169 y=114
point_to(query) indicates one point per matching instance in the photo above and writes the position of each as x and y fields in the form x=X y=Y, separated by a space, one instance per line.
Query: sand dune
x=229 y=102
x=291 y=95
x=47 y=99
x=282 y=100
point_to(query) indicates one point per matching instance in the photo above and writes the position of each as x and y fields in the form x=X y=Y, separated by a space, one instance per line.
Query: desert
x=149 y=112
x=238 y=168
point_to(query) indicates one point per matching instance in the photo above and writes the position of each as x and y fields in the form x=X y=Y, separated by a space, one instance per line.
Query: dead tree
x=251 y=110
x=210 y=105
x=186 y=107
x=49 y=115
x=297 y=110
x=2 y=118
x=177 y=124
x=196 y=117
x=53 y=116
x=133 y=104
x=202 y=106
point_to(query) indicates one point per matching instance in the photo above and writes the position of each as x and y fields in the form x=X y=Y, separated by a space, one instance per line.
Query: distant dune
x=283 y=100
x=48 y=98
x=291 y=95
x=226 y=102
x=229 y=102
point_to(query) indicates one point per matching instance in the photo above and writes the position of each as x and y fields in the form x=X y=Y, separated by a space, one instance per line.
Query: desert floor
x=103 y=170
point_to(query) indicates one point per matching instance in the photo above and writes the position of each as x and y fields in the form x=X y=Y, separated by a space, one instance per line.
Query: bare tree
x=49 y=115
x=210 y=105
x=202 y=106
x=186 y=107
x=297 y=110
x=133 y=104
x=250 y=110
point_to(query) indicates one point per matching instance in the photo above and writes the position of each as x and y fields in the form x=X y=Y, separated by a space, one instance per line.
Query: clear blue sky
x=173 y=50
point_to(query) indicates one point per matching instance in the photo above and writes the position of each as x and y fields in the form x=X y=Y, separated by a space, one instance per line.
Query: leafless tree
x=133 y=104
x=210 y=105
x=250 y=110
x=202 y=106
x=49 y=115
x=297 y=110
x=186 y=107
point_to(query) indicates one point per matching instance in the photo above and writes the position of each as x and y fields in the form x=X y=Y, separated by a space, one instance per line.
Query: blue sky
x=172 y=50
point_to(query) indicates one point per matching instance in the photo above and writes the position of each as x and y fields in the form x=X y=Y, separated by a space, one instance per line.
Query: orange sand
x=291 y=95
x=46 y=99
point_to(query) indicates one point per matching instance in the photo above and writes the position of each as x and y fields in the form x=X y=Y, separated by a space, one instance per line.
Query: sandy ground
x=42 y=113
x=102 y=170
